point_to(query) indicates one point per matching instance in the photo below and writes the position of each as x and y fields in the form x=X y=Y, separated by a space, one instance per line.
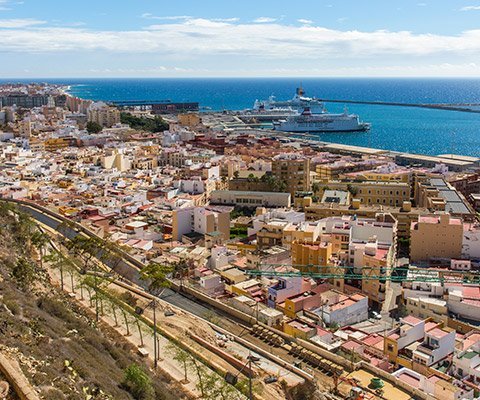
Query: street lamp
x=153 y=305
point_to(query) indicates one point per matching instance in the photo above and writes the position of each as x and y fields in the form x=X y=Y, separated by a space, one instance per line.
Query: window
x=390 y=348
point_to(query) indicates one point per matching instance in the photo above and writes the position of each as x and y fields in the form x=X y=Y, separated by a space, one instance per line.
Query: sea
x=406 y=129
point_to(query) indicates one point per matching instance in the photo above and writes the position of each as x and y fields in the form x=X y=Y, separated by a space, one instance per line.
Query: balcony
x=426 y=348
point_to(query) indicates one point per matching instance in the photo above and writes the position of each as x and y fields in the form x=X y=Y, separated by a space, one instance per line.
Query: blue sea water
x=415 y=130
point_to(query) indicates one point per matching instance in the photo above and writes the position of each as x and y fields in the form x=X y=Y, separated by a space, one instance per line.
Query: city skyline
x=213 y=39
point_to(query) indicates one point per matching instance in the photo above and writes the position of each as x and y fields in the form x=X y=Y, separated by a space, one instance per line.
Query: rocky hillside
x=59 y=348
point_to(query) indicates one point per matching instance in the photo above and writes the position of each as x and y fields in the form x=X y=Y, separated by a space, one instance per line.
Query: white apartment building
x=438 y=344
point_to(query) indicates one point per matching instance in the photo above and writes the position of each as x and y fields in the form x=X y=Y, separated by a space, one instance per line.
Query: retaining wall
x=17 y=379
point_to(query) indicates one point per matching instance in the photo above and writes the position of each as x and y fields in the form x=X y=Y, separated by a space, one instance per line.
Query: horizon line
x=245 y=77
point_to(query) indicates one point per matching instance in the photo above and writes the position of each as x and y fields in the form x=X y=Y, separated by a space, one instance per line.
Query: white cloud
x=199 y=41
x=226 y=19
x=263 y=20
x=305 y=21
x=19 y=23
x=470 y=8
x=165 y=18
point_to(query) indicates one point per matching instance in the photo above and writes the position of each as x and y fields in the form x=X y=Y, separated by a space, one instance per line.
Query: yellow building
x=294 y=170
x=428 y=307
x=189 y=119
x=375 y=192
x=318 y=254
x=54 y=144
x=103 y=115
x=299 y=329
x=376 y=263
x=436 y=237
x=377 y=176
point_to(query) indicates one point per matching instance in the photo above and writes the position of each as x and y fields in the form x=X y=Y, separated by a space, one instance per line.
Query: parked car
x=375 y=315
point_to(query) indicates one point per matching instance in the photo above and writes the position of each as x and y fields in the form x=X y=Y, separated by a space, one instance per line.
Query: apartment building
x=201 y=220
x=464 y=301
x=436 y=346
x=103 y=114
x=439 y=236
x=436 y=194
x=294 y=170
x=427 y=307
x=411 y=330
x=466 y=360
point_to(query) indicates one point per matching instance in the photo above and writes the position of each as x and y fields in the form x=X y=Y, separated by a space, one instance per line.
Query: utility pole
x=250 y=394
x=155 y=361
x=153 y=305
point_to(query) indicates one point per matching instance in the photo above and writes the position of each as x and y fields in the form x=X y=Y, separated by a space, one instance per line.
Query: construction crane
x=392 y=274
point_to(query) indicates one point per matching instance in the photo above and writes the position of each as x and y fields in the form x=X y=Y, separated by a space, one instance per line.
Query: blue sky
x=156 y=38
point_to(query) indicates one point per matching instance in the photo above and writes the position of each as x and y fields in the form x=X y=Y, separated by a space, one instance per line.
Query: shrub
x=138 y=383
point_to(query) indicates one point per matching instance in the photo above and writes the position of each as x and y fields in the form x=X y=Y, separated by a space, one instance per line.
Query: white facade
x=437 y=345
x=250 y=199
x=348 y=314
x=463 y=304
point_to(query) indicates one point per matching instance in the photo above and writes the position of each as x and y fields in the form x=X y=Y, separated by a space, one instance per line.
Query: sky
x=239 y=38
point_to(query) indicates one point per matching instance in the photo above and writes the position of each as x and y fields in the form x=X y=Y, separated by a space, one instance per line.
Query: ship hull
x=303 y=128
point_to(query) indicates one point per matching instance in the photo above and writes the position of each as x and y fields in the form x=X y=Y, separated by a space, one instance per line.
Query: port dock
x=465 y=107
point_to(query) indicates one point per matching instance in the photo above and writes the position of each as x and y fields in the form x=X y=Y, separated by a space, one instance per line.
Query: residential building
x=294 y=170
x=411 y=330
x=438 y=237
x=338 y=309
x=287 y=287
x=436 y=346
x=103 y=114
x=201 y=220
x=250 y=199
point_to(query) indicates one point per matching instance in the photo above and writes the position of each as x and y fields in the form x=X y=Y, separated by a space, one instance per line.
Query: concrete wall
x=17 y=379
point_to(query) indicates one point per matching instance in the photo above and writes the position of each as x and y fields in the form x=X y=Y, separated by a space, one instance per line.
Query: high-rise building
x=293 y=170
x=439 y=236
x=103 y=114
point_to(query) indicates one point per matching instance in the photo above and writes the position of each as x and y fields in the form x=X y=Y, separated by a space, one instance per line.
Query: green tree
x=40 y=241
x=352 y=189
x=138 y=383
x=155 y=124
x=24 y=273
x=156 y=274
x=57 y=261
x=182 y=357
x=94 y=127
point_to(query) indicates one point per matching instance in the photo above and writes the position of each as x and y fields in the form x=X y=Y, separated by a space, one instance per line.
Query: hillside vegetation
x=61 y=350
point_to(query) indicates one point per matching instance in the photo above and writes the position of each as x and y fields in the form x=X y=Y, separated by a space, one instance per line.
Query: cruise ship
x=321 y=122
x=297 y=103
